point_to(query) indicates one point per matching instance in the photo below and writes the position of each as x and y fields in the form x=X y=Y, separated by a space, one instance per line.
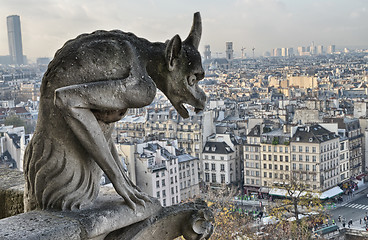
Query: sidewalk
x=347 y=199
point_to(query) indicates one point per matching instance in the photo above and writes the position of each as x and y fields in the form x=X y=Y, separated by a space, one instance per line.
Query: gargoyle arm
x=76 y=103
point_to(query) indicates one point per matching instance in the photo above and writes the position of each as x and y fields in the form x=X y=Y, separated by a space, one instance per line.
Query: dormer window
x=213 y=149
x=207 y=148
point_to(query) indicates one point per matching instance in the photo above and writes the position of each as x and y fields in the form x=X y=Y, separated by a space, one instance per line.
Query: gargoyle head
x=184 y=71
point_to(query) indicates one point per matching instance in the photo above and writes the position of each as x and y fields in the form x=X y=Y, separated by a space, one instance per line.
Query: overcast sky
x=263 y=24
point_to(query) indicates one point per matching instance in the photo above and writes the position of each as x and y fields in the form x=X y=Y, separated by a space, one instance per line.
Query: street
x=354 y=209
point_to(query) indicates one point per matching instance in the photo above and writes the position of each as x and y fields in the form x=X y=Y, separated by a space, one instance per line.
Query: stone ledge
x=11 y=192
x=108 y=214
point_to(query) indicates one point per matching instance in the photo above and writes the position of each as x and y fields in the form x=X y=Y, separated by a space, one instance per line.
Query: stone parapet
x=11 y=192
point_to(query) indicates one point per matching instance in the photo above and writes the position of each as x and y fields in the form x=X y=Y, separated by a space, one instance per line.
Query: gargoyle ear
x=173 y=50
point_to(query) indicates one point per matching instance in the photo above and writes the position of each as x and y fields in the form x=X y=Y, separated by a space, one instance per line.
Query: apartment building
x=154 y=168
x=252 y=160
x=315 y=157
x=350 y=128
x=219 y=162
x=275 y=157
x=189 y=167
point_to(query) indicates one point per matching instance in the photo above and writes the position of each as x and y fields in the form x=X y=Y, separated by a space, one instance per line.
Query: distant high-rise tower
x=319 y=49
x=207 y=52
x=331 y=49
x=229 y=51
x=15 y=39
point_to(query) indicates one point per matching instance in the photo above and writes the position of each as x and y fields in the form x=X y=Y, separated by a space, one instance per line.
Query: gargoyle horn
x=195 y=33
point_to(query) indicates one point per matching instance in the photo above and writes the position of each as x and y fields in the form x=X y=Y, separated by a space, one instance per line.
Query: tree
x=299 y=211
x=16 y=121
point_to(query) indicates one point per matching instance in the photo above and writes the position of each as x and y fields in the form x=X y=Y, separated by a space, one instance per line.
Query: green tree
x=14 y=120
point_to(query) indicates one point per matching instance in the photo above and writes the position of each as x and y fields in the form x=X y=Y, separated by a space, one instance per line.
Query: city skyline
x=262 y=24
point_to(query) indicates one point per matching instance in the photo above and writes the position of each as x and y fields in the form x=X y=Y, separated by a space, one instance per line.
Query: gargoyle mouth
x=182 y=110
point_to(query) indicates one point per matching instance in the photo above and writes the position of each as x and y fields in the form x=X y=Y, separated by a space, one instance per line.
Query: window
x=307 y=167
x=275 y=149
x=286 y=158
x=300 y=166
x=164 y=193
x=307 y=158
x=269 y=157
x=207 y=175
x=213 y=166
x=222 y=167
x=306 y=149
x=293 y=149
x=269 y=166
x=300 y=157
x=314 y=168
x=157 y=184
x=265 y=174
x=269 y=148
x=265 y=166
x=164 y=202
x=275 y=157
x=314 y=159
x=264 y=157
x=213 y=177
x=275 y=167
x=314 y=149
x=281 y=167
x=206 y=166
x=158 y=194
x=281 y=158
x=294 y=157
x=287 y=168
x=294 y=166
x=163 y=182
x=300 y=149
x=280 y=149
x=270 y=175
x=222 y=178
x=264 y=148
x=275 y=175
x=286 y=149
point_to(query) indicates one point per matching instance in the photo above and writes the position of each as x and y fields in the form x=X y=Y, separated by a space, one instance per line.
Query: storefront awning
x=331 y=193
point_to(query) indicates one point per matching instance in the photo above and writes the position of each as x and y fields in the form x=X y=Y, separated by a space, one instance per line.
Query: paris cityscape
x=283 y=138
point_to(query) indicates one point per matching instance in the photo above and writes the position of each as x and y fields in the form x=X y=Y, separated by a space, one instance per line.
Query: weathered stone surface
x=40 y=225
x=108 y=214
x=91 y=82
x=192 y=220
x=11 y=192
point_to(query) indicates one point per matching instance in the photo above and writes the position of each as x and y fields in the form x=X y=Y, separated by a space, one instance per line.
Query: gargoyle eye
x=192 y=80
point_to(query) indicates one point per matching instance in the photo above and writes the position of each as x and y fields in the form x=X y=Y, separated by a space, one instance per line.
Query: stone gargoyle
x=91 y=82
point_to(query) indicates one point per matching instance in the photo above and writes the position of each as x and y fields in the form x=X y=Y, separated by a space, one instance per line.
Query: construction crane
x=253 y=51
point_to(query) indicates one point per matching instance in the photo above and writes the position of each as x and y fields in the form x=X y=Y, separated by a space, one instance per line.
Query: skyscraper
x=15 y=39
